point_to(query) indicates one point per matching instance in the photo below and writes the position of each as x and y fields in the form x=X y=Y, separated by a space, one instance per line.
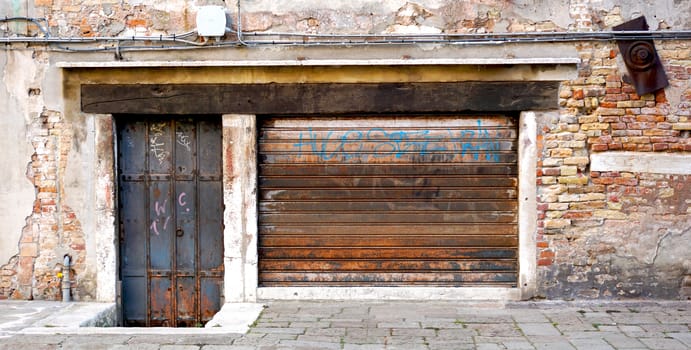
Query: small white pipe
x=66 y=283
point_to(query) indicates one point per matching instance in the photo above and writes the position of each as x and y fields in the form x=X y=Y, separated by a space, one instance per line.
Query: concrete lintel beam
x=642 y=162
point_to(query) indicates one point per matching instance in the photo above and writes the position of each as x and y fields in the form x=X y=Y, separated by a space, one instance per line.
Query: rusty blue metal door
x=170 y=219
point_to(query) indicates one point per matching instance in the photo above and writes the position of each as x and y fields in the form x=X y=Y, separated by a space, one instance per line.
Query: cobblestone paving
x=421 y=325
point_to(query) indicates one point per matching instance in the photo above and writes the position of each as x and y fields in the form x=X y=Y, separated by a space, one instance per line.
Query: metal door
x=388 y=201
x=170 y=219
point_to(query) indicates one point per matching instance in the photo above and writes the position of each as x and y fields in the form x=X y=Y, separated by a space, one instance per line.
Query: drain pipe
x=66 y=297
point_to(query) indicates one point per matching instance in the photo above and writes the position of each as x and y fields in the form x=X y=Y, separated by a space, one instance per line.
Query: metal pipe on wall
x=66 y=282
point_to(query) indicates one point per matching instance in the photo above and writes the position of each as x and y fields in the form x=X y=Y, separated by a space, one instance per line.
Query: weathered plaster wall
x=15 y=8
x=600 y=234
x=19 y=87
x=41 y=140
x=129 y=17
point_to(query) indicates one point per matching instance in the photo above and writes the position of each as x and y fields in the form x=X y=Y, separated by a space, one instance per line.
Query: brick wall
x=590 y=221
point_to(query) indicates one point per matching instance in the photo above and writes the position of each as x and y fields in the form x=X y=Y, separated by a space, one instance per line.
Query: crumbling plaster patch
x=20 y=96
x=640 y=254
x=39 y=228
x=283 y=6
x=674 y=13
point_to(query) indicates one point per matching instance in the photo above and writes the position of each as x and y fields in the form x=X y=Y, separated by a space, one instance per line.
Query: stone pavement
x=412 y=325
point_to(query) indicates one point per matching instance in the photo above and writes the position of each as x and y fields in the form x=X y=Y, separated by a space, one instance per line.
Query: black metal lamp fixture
x=645 y=70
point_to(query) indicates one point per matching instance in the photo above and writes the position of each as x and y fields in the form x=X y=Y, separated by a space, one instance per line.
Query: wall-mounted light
x=646 y=72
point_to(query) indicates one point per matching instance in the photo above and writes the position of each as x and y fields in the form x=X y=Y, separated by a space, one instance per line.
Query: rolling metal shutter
x=388 y=201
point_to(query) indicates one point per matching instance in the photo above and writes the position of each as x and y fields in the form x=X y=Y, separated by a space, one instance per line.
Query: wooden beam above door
x=323 y=98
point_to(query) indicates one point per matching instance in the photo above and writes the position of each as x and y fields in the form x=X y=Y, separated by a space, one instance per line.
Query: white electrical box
x=211 y=21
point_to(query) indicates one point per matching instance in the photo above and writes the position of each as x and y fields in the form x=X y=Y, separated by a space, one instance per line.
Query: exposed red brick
x=599 y=147
x=644 y=148
x=551 y=171
x=85 y=29
x=545 y=254
x=602 y=180
x=640 y=125
x=628 y=89
x=618 y=126
x=25 y=270
x=602 y=139
x=660 y=96
x=136 y=22
x=626 y=181
x=577 y=215
x=544 y=262
x=664 y=139
x=676 y=147
x=650 y=118
x=578 y=94
x=609 y=119
x=660 y=146
x=50 y=189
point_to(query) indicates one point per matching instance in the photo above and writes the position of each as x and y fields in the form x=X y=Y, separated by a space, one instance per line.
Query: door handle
x=179 y=232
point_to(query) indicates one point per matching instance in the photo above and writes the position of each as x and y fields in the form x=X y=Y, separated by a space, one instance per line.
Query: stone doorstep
x=16 y=316
x=97 y=318
x=235 y=317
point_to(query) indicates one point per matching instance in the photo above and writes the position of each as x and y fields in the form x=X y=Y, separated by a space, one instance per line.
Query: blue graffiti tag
x=398 y=143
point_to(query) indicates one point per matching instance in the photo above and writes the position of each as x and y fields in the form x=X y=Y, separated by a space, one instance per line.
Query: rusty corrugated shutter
x=388 y=201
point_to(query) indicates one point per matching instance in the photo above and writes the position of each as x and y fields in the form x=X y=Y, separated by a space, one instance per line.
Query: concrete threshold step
x=41 y=317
